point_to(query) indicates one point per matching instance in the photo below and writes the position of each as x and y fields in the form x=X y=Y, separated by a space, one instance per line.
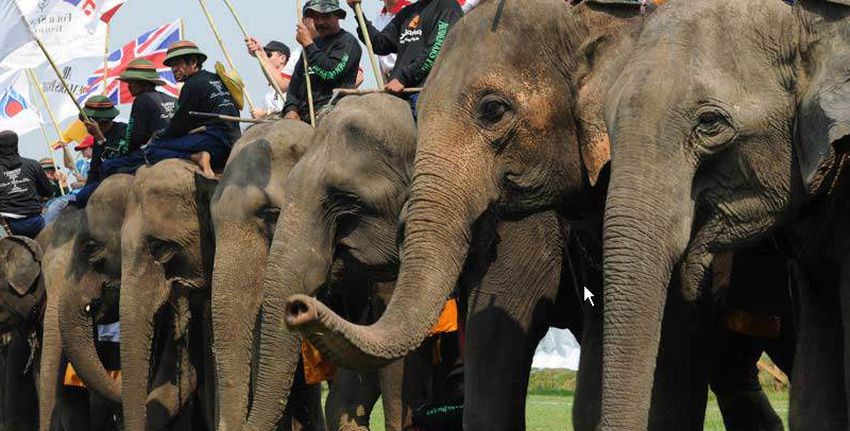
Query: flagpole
x=53 y=65
x=34 y=83
x=306 y=69
x=224 y=50
x=245 y=35
x=371 y=52
x=106 y=60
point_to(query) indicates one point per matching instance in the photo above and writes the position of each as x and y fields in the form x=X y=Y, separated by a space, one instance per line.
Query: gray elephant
x=245 y=208
x=728 y=137
x=488 y=149
x=166 y=263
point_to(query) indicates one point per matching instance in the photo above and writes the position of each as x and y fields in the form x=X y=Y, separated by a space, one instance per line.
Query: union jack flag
x=151 y=45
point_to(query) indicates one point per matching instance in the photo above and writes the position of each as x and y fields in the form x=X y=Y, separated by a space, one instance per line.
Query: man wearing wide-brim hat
x=206 y=141
x=150 y=113
x=108 y=141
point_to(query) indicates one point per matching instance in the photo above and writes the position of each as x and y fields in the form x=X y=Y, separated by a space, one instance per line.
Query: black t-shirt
x=110 y=149
x=151 y=113
x=21 y=187
x=333 y=64
x=416 y=34
x=203 y=92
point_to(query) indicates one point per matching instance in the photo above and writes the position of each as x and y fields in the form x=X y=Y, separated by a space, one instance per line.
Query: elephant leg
x=351 y=399
x=305 y=403
x=817 y=385
x=72 y=409
x=102 y=413
x=391 y=380
x=22 y=408
x=734 y=379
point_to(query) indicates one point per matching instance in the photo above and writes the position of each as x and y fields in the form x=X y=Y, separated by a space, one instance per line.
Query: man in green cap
x=150 y=113
x=108 y=141
x=206 y=141
x=334 y=56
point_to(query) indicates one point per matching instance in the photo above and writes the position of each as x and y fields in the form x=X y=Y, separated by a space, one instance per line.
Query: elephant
x=167 y=253
x=720 y=139
x=244 y=212
x=491 y=150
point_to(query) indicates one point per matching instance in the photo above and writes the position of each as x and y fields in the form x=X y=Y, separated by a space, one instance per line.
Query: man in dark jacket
x=416 y=34
x=205 y=141
x=333 y=56
x=150 y=113
x=23 y=184
x=108 y=142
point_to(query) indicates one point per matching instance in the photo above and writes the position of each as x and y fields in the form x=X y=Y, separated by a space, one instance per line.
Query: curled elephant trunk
x=76 y=325
x=437 y=237
x=648 y=220
x=299 y=261
x=234 y=320
x=144 y=289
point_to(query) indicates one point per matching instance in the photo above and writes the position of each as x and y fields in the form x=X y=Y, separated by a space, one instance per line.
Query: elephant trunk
x=236 y=294
x=76 y=324
x=144 y=289
x=648 y=220
x=437 y=237
x=299 y=262
x=51 y=358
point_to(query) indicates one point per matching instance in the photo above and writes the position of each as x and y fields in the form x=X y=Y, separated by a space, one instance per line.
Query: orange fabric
x=316 y=368
x=72 y=379
x=448 y=319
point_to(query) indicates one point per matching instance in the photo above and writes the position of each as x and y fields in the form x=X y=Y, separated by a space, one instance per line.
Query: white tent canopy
x=558 y=349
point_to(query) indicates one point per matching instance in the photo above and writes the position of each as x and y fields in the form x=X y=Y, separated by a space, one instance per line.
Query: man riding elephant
x=108 y=141
x=205 y=141
x=22 y=185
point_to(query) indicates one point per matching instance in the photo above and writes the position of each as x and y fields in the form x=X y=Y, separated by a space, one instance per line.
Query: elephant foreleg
x=351 y=399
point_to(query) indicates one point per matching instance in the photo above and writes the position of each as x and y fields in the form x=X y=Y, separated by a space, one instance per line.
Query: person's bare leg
x=203 y=160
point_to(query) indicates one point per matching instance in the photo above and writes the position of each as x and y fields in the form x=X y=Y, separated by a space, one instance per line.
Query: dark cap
x=8 y=138
x=325 y=6
x=275 y=46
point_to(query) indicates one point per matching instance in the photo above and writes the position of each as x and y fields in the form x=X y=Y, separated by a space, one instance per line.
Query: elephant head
x=21 y=293
x=339 y=216
x=166 y=251
x=245 y=208
x=516 y=131
x=90 y=296
x=722 y=127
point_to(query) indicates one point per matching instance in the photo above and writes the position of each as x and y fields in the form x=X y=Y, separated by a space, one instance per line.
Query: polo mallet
x=365 y=31
x=306 y=70
x=224 y=50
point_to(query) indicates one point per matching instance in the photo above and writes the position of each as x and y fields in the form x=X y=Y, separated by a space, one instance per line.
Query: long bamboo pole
x=106 y=61
x=245 y=35
x=224 y=49
x=34 y=83
x=306 y=70
x=379 y=78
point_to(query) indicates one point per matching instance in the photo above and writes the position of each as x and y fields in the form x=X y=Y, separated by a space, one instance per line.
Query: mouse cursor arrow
x=588 y=296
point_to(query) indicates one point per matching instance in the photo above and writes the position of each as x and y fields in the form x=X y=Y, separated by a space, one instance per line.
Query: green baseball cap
x=141 y=69
x=181 y=48
x=100 y=108
x=325 y=6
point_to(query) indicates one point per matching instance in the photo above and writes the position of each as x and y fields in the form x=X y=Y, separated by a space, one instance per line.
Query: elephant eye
x=711 y=124
x=493 y=109
x=162 y=251
x=269 y=216
x=94 y=252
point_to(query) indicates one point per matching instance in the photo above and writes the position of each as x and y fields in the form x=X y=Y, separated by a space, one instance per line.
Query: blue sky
x=265 y=19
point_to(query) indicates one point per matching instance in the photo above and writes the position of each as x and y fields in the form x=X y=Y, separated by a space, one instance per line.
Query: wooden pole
x=245 y=35
x=306 y=70
x=379 y=78
x=34 y=83
x=224 y=50
x=106 y=61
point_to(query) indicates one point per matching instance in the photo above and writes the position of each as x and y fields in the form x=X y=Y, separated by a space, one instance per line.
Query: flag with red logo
x=16 y=111
x=151 y=45
x=97 y=10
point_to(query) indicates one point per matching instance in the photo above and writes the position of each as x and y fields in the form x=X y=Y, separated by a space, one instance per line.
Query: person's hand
x=352 y=3
x=258 y=113
x=253 y=45
x=292 y=115
x=94 y=130
x=303 y=36
x=394 y=86
x=360 y=78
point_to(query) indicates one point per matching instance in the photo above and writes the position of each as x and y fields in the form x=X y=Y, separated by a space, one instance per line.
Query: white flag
x=14 y=32
x=63 y=28
x=17 y=113
x=76 y=74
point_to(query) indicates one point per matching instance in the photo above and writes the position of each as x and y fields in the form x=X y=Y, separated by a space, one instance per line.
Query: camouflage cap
x=325 y=6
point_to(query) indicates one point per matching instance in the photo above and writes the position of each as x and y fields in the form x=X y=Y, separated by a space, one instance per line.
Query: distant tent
x=558 y=349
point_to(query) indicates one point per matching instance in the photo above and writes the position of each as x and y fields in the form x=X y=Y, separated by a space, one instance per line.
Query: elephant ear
x=824 y=116
x=593 y=140
x=21 y=262
x=204 y=191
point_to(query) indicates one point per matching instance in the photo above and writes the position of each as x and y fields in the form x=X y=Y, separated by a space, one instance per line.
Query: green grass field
x=550 y=401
